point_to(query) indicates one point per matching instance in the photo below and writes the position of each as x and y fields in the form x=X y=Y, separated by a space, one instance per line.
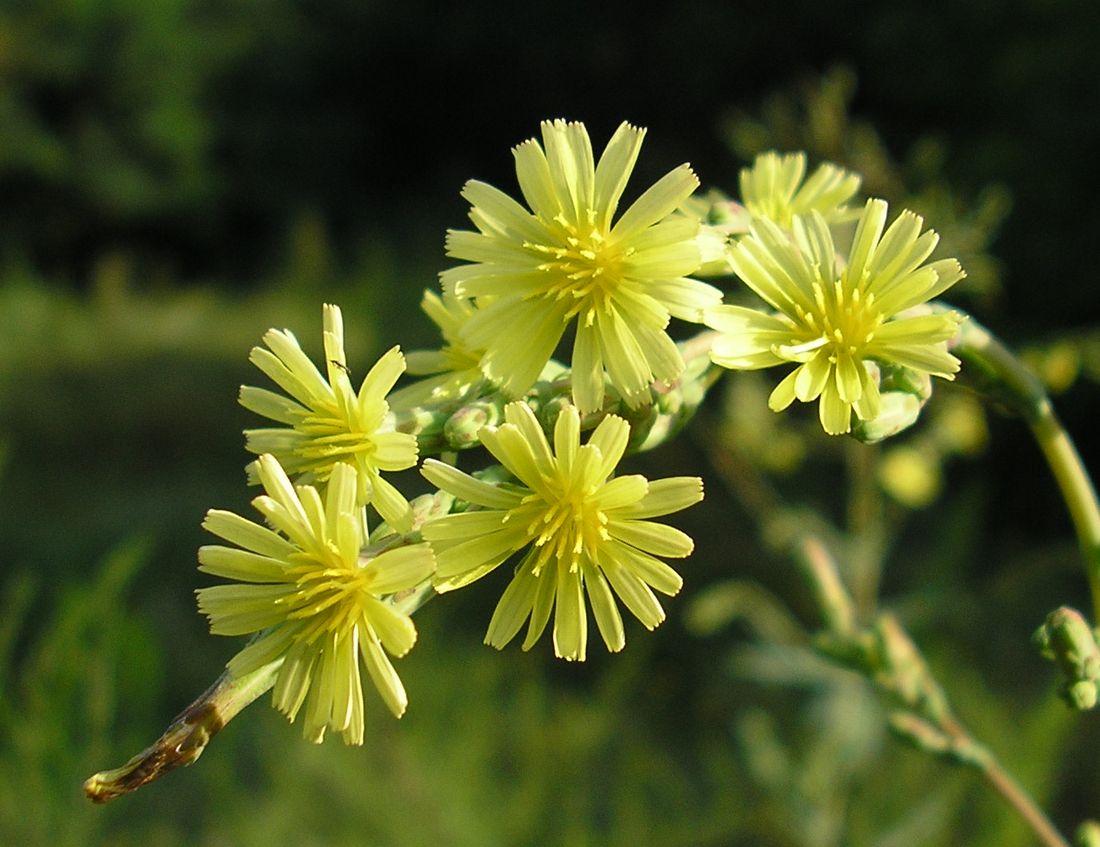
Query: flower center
x=845 y=317
x=584 y=264
x=329 y=595
x=333 y=438
x=563 y=523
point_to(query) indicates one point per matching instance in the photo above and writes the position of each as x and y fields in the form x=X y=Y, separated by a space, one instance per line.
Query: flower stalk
x=1002 y=376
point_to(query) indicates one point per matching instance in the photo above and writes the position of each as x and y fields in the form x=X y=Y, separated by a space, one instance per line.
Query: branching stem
x=881 y=651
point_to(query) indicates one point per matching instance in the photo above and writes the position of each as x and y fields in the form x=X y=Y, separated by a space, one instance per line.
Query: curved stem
x=1003 y=377
x=1077 y=490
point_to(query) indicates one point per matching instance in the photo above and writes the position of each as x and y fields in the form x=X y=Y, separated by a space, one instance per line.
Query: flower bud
x=1087 y=835
x=899 y=411
x=462 y=428
x=903 y=394
x=1067 y=639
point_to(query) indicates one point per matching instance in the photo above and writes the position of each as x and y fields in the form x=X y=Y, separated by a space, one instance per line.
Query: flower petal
x=400 y=568
x=654 y=538
x=513 y=609
x=664 y=497
x=466 y=487
x=247 y=534
x=656 y=202
x=650 y=570
x=604 y=608
x=614 y=169
x=240 y=565
x=835 y=413
x=570 y=620
x=383 y=676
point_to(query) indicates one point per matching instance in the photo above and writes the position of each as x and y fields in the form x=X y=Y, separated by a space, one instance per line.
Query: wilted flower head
x=834 y=320
x=583 y=531
x=328 y=421
x=534 y=271
x=773 y=188
x=318 y=606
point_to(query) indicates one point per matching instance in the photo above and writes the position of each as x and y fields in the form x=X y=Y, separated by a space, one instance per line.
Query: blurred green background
x=179 y=176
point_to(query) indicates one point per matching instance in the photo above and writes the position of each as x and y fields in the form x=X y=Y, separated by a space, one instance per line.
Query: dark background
x=195 y=133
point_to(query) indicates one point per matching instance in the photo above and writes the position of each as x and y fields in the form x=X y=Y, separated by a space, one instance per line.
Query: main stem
x=1025 y=807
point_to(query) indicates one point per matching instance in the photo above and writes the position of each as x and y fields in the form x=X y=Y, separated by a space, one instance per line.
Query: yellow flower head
x=452 y=370
x=534 y=271
x=329 y=422
x=583 y=531
x=318 y=606
x=834 y=319
x=773 y=188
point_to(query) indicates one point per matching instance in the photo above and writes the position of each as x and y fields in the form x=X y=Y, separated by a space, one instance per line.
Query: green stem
x=1021 y=801
x=866 y=527
x=882 y=652
x=1078 y=492
x=1002 y=376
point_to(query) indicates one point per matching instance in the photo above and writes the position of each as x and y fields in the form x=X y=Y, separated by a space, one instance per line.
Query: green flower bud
x=899 y=411
x=1087 y=835
x=904 y=393
x=1067 y=639
x=462 y=428
x=1081 y=695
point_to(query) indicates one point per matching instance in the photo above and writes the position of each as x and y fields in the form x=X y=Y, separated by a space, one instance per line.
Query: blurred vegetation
x=179 y=176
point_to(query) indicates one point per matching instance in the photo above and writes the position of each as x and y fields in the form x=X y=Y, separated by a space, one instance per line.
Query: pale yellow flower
x=773 y=188
x=534 y=272
x=319 y=607
x=835 y=319
x=452 y=370
x=328 y=422
x=584 y=532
